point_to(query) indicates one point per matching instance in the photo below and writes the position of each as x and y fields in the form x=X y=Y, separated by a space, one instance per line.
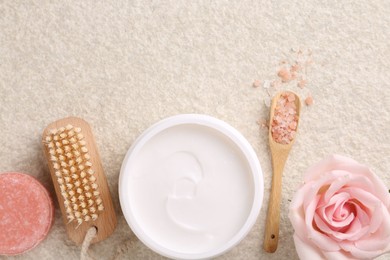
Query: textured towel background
x=123 y=65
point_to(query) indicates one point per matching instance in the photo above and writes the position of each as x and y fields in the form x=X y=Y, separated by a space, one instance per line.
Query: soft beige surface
x=123 y=65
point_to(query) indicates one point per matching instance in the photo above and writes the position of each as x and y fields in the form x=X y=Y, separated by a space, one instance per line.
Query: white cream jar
x=191 y=187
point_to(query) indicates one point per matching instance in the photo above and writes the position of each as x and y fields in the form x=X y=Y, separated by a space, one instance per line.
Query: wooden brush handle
x=273 y=217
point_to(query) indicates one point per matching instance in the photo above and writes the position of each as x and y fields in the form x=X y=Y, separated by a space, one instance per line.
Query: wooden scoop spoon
x=279 y=153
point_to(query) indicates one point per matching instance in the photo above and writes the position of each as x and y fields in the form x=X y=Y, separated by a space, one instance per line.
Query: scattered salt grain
x=309 y=100
x=263 y=123
x=293 y=75
x=285 y=119
x=266 y=84
x=302 y=83
x=295 y=67
x=256 y=83
x=284 y=74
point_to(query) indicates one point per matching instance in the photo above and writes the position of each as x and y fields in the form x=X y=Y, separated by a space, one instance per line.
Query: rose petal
x=361 y=182
x=329 y=212
x=359 y=227
x=319 y=239
x=306 y=251
x=361 y=214
x=338 y=199
x=297 y=220
x=310 y=211
x=345 y=178
x=358 y=253
x=322 y=225
x=333 y=162
x=344 y=211
x=380 y=191
x=371 y=202
x=317 y=187
x=337 y=255
x=343 y=223
x=332 y=213
x=296 y=213
x=356 y=231
x=299 y=197
x=379 y=240
x=373 y=244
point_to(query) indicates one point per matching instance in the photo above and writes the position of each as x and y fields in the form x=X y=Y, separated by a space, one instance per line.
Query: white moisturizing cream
x=191 y=187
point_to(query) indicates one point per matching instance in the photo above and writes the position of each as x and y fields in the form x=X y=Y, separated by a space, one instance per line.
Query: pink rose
x=342 y=211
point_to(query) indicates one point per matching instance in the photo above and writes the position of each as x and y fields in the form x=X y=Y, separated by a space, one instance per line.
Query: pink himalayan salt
x=285 y=119
x=293 y=75
x=285 y=75
x=256 y=83
x=295 y=68
x=302 y=83
x=263 y=123
x=309 y=100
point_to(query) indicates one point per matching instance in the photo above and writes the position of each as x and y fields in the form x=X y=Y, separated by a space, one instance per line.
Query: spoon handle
x=271 y=237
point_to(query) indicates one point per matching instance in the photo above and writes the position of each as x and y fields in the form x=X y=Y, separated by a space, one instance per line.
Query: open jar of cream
x=191 y=187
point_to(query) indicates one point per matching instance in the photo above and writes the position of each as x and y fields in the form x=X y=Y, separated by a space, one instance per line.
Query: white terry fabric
x=123 y=65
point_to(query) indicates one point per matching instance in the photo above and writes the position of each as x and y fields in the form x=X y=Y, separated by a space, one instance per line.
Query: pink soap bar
x=26 y=213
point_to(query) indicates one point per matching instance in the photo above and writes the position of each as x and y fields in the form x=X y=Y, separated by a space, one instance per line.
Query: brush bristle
x=73 y=169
